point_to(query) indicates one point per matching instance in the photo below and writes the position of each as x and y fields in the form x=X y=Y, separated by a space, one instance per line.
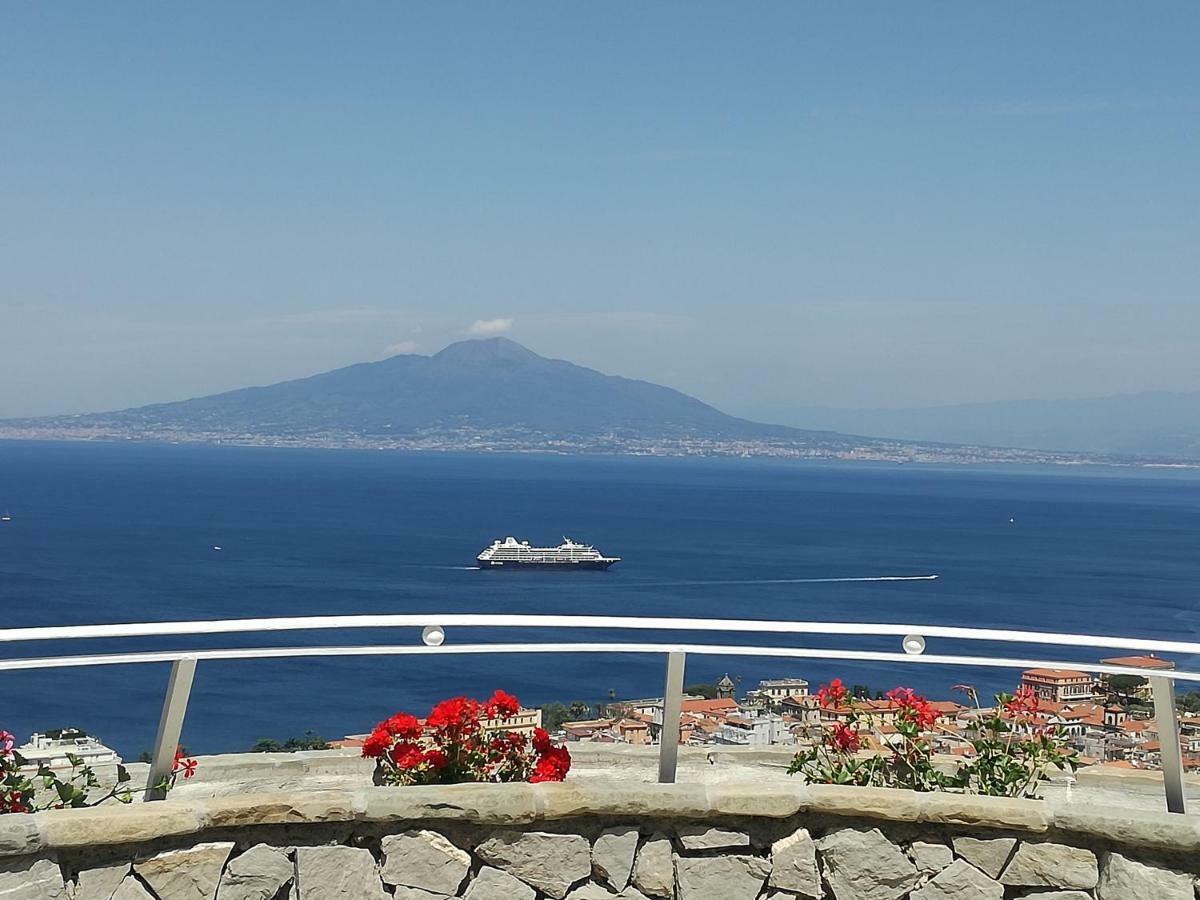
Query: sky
x=768 y=205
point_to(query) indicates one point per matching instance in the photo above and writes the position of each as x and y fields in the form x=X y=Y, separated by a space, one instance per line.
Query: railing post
x=668 y=736
x=1168 y=742
x=170 y=725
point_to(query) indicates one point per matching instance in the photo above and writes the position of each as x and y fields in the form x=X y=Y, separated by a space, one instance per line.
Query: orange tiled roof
x=709 y=706
x=1058 y=674
x=1139 y=662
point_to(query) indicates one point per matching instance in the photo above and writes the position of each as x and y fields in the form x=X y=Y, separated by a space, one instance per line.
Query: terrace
x=723 y=825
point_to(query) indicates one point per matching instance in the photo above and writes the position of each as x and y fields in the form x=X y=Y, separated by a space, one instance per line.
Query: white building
x=52 y=749
x=759 y=731
x=772 y=691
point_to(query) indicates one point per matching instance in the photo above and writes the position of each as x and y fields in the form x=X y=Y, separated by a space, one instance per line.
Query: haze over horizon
x=768 y=208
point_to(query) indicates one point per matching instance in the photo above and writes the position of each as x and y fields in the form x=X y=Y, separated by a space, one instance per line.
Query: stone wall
x=594 y=841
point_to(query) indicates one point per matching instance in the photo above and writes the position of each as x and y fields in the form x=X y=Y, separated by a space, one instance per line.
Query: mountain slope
x=477 y=385
x=1147 y=424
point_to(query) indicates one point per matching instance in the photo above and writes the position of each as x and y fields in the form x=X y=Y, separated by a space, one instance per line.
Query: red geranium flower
x=553 y=765
x=844 y=738
x=832 y=694
x=377 y=744
x=403 y=726
x=502 y=706
x=1024 y=703
x=406 y=756
x=457 y=743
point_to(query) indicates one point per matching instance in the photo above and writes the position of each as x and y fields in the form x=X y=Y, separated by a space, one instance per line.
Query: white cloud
x=489 y=327
x=401 y=347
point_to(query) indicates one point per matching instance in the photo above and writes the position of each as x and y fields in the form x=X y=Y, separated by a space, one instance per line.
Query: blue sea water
x=122 y=533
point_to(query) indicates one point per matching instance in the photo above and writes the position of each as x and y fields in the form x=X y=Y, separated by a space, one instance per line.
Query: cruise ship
x=513 y=554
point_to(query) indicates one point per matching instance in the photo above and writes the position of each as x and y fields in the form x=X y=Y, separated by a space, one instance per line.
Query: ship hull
x=564 y=566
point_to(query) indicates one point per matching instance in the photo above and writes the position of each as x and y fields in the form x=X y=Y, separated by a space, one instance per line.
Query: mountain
x=1157 y=424
x=494 y=394
x=470 y=389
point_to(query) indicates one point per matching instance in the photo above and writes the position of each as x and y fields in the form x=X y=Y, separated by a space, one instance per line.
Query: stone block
x=258 y=874
x=100 y=883
x=988 y=855
x=612 y=856
x=621 y=800
x=282 y=808
x=426 y=860
x=408 y=893
x=780 y=802
x=960 y=881
x=930 y=858
x=984 y=812
x=1122 y=878
x=31 y=879
x=1057 y=895
x=1159 y=831
x=102 y=826
x=132 y=889
x=594 y=891
x=337 y=873
x=794 y=865
x=549 y=862
x=703 y=837
x=190 y=874
x=654 y=870
x=1046 y=864
x=19 y=835
x=492 y=884
x=862 y=864
x=864 y=802
x=482 y=804
x=728 y=877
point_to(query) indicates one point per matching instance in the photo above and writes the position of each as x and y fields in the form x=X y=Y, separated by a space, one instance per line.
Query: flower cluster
x=1023 y=704
x=832 y=694
x=1012 y=749
x=16 y=792
x=912 y=708
x=463 y=740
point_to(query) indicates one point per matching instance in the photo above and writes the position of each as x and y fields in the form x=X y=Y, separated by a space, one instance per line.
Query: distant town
x=495 y=396
x=1107 y=719
x=518 y=440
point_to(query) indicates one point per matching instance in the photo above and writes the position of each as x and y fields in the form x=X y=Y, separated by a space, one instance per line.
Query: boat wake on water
x=784 y=581
x=750 y=581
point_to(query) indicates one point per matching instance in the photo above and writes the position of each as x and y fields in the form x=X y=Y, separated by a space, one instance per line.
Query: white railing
x=433 y=634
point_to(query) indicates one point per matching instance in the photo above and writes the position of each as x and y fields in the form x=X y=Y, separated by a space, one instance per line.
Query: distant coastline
x=496 y=396
x=516 y=441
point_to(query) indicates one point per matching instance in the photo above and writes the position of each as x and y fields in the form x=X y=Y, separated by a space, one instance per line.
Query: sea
x=110 y=533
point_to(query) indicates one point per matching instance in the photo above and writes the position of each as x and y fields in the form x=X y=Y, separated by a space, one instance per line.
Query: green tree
x=1189 y=702
x=704 y=689
x=553 y=716
x=1125 y=685
x=309 y=741
x=579 y=710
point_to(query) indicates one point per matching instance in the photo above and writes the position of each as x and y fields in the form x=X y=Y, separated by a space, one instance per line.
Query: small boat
x=6 y=517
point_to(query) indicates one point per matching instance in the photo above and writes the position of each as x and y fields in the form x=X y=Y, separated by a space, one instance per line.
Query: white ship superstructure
x=512 y=553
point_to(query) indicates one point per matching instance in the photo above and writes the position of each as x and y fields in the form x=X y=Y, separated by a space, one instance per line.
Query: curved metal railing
x=433 y=641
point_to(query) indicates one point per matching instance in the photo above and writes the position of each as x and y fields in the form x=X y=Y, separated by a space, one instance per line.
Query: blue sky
x=767 y=205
